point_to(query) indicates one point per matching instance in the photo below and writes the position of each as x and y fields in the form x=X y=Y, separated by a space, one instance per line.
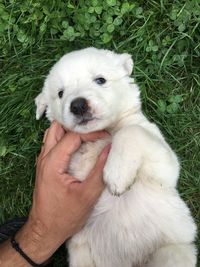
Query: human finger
x=43 y=141
x=42 y=148
x=64 y=149
x=70 y=143
x=90 y=137
x=52 y=137
x=45 y=135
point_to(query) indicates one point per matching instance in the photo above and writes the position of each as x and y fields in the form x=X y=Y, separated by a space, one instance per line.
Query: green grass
x=164 y=39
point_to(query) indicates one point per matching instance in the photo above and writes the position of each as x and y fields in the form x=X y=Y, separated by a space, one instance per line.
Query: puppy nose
x=79 y=106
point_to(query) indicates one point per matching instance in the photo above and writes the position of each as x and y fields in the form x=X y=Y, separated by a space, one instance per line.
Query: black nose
x=79 y=106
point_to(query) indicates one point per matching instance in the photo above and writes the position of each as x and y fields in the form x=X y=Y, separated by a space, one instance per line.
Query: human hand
x=61 y=204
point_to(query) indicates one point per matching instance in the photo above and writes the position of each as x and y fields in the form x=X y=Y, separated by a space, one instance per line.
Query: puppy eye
x=60 y=93
x=100 y=80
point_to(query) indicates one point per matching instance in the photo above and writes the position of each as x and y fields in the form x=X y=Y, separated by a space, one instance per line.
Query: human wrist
x=33 y=239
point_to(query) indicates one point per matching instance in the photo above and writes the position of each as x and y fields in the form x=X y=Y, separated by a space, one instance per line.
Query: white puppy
x=139 y=220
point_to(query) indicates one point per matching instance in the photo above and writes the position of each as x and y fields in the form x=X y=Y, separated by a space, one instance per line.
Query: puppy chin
x=90 y=126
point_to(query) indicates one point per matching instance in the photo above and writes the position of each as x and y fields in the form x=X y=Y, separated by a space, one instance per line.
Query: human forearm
x=9 y=257
x=61 y=204
x=34 y=241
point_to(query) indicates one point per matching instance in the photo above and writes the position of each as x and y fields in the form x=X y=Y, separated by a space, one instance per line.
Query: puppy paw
x=117 y=190
x=122 y=165
x=116 y=183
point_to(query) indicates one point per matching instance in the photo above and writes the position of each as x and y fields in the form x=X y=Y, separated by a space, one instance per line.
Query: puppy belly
x=124 y=231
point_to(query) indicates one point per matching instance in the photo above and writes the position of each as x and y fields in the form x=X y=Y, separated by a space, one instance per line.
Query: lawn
x=162 y=36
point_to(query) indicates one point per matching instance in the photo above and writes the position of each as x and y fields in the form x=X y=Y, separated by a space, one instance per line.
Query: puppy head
x=89 y=90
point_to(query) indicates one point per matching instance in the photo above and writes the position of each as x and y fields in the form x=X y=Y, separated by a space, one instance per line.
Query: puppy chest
x=85 y=158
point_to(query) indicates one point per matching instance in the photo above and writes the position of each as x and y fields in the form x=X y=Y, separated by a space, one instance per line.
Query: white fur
x=139 y=220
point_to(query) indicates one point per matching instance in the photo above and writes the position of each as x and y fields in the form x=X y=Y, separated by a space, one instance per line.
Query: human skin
x=61 y=203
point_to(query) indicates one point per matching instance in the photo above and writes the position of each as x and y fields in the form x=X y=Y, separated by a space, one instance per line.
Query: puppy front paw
x=117 y=190
x=115 y=180
x=122 y=165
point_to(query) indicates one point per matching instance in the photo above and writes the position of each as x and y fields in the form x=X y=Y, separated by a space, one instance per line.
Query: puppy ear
x=127 y=62
x=41 y=105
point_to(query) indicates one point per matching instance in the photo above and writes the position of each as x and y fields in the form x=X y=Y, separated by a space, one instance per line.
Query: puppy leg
x=123 y=162
x=183 y=255
x=79 y=254
x=137 y=152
